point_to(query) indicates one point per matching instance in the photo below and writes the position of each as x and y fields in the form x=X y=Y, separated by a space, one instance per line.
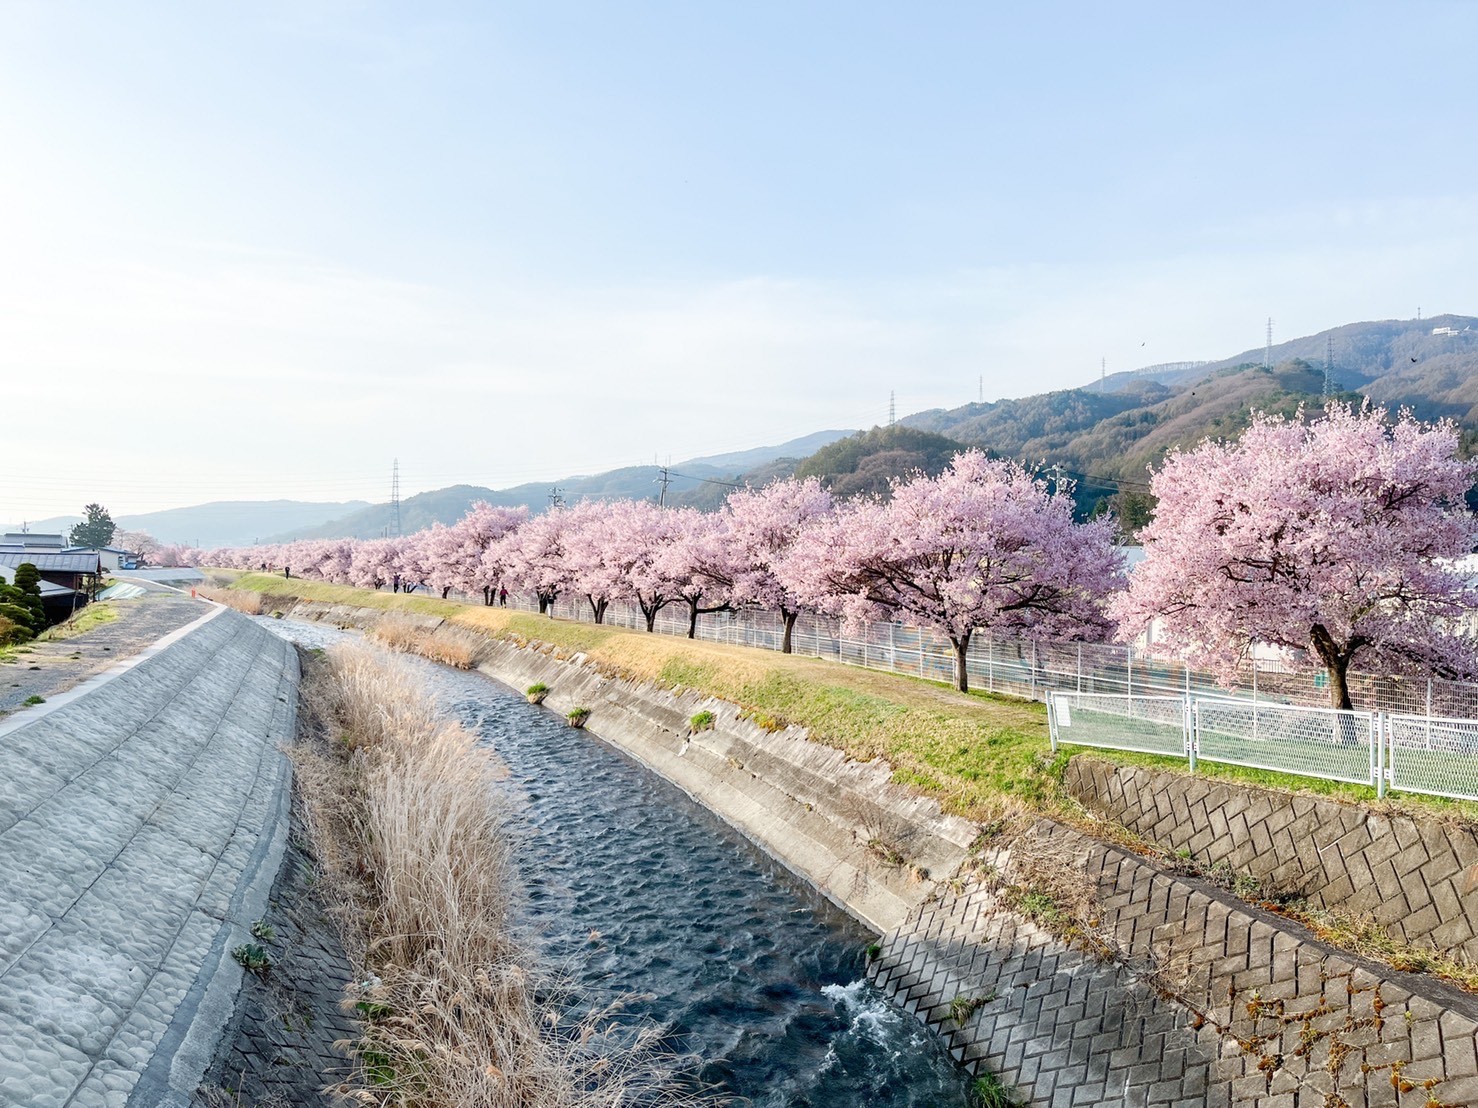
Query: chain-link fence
x=1433 y=755
x=1032 y=669
x=1410 y=753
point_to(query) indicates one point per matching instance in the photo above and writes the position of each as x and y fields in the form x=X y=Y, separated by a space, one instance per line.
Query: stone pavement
x=142 y=822
x=47 y=668
x=280 y=1050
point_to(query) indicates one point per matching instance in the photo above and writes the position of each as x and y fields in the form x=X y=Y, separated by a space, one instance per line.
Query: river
x=632 y=889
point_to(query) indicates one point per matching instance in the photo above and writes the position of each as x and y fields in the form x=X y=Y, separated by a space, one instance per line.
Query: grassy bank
x=977 y=753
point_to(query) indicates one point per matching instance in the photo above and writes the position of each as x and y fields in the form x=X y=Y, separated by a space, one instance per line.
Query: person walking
x=503 y=597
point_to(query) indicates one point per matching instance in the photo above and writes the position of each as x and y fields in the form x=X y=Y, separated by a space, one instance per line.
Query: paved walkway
x=48 y=668
x=142 y=822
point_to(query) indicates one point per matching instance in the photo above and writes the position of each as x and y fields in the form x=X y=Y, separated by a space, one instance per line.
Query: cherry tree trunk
x=693 y=621
x=962 y=655
x=788 y=619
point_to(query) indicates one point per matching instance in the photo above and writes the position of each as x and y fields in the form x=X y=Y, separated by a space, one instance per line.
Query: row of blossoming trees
x=1335 y=537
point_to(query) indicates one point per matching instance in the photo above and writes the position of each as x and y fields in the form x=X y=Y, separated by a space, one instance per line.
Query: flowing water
x=635 y=889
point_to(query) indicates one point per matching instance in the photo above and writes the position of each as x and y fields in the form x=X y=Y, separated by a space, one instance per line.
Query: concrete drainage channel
x=1206 y=1000
x=142 y=822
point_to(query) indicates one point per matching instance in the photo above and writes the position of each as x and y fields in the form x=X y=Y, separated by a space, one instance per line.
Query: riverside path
x=143 y=817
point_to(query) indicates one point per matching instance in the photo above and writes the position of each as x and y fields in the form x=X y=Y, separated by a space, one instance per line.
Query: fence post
x=1129 y=671
x=1188 y=725
x=1080 y=668
x=990 y=662
x=1034 y=669
x=1052 y=722
x=1382 y=733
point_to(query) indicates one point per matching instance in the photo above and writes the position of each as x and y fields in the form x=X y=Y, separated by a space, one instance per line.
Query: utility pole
x=663 y=481
x=395 y=494
x=556 y=497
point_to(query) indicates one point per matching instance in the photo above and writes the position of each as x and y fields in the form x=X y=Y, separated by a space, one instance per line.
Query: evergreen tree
x=27 y=587
x=96 y=530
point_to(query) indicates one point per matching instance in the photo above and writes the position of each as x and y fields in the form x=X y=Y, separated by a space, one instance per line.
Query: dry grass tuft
x=406 y=821
x=444 y=642
x=252 y=604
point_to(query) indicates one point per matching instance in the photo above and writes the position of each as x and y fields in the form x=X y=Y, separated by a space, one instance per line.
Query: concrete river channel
x=633 y=890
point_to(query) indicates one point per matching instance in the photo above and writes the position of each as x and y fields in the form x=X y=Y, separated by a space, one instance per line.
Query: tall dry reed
x=249 y=602
x=404 y=811
x=445 y=643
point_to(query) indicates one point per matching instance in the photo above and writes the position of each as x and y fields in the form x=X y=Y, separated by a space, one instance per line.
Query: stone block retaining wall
x=1416 y=877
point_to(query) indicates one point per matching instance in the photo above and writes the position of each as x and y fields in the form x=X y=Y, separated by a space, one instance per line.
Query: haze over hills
x=698 y=482
x=218 y=523
x=1105 y=436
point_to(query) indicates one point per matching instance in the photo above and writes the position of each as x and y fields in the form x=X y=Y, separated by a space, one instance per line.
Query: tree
x=1339 y=538
x=138 y=542
x=22 y=598
x=698 y=564
x=983 y=546
x=762 y=525
x=96 y=530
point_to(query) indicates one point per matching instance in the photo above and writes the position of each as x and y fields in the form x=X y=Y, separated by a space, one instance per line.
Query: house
x=79 y=571
x=113 y=558
x=25 y=540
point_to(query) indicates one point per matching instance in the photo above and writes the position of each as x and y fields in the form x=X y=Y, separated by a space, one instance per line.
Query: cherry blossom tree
x=983 y=546
x=1338 y=537
x=534 y=556
x=697 y=565
x=762 y=525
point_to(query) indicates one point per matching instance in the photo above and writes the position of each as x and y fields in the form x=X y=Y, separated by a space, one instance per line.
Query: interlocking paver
x=131 y=827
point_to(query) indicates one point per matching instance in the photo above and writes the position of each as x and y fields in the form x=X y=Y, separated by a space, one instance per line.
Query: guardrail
x=1387 y=750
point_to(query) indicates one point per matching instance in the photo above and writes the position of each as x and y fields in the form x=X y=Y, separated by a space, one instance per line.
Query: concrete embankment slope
x=142 y=821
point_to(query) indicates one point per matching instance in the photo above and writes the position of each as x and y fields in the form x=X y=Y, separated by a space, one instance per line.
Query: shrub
x=577 y=716
x=11 y=631
x=701 y=721
x=537 y=692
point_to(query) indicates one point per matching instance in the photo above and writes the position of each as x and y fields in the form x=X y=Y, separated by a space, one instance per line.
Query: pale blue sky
x=288 y=242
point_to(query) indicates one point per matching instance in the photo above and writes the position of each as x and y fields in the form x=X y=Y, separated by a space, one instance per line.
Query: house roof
x=95 y=549
x=56 y=563
x=26 y=538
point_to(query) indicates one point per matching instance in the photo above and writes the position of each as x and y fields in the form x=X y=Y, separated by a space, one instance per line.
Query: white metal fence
x=1032 y=669
x=1382 y=749
x=1414 y=735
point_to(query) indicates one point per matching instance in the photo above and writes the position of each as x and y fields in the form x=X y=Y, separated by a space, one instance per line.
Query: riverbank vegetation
x=980 y=755
x=402 y=807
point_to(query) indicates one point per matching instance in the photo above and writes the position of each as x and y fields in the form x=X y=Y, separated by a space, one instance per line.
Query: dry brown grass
x=445 y=643
x=405 y=817
x=250 y=603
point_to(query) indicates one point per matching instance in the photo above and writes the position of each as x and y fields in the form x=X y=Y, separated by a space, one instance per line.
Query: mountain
x=219 y=523
x=698 y=482
x=865 y=464
x=742 y=460
x=1364 y=353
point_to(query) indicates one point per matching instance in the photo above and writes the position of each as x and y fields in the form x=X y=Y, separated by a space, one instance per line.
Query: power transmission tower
x=1103 y=375
x=892 y=408
x=982 y=389
x=663 y=481
x=556 y=497
x=1329 y=368
x=395 y=494
x=1267 y=360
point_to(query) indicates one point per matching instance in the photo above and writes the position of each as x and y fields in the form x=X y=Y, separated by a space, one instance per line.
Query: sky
x=265 y=250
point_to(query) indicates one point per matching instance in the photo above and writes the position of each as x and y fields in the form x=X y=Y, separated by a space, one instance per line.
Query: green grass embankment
x=979 y=754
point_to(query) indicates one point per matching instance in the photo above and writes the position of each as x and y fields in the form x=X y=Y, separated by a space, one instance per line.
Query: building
x=113 y=558
x=79 y=571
